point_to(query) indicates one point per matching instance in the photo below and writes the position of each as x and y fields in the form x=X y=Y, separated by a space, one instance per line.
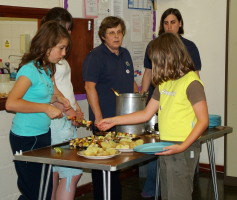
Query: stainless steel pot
x=129 y=103
x=152 y=125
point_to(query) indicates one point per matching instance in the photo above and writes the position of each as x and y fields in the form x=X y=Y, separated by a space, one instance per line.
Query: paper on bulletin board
x=104 y=8
x=137 y=52
x=138 y=73
x=118 y=8
x=91 y=8
x=136 y=28
x=147 y=22
x=97 y=40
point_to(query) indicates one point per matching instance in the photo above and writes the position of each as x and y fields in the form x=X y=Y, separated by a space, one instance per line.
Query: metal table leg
x=41 y=182
x=107 y=184
x=211 y=154
x=104 y=185
x=47 y=182
x=44 y=189
x=157 y=178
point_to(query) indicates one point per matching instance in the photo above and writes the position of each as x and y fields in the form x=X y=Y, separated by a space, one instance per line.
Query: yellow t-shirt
x=176 y=115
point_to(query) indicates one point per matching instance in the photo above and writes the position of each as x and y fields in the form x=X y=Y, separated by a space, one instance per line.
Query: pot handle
x=144 y=94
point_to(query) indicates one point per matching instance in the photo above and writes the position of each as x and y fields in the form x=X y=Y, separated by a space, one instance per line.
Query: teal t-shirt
x=41 y=90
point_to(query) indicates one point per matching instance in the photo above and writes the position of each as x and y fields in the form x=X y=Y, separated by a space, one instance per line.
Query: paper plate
x=81 y=153
x=125 y=150
x=152 y=148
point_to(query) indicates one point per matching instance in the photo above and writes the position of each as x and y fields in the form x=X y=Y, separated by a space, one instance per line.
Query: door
x=82 y=44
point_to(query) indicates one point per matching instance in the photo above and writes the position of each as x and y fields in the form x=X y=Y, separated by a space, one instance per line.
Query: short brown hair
x=110 y=22
x=61 y=15
x=170 y=58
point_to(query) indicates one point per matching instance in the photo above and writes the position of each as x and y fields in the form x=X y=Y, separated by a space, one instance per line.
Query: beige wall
x=11 y=29
x=231 y=158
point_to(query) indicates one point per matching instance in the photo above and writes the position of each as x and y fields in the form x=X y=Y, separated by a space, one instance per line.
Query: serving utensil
x=115 y=92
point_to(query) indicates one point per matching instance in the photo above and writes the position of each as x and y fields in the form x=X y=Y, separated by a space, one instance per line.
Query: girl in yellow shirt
x=183 y=114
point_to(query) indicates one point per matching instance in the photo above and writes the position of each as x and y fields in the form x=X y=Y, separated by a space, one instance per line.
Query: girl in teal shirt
x=31 y=99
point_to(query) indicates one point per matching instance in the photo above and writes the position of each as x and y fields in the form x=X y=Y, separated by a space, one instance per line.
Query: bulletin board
x=139 y=4
x=139 y=25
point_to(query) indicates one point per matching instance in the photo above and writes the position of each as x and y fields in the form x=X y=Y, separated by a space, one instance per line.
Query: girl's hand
x=79 y=115
x=97 y=120
x=65 y=102
x=53 y=112
x=173 y=149
x=105 y=124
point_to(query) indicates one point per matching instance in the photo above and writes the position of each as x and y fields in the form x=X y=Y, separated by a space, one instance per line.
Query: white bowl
x=6 y=87
x=4 y=78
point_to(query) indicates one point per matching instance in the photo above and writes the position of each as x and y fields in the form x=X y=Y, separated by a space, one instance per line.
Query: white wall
x=75 y=7
x=11 y=29
x=205 y=24
x=8 y=188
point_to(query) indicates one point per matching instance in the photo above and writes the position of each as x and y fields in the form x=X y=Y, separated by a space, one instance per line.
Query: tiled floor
x=132 y=187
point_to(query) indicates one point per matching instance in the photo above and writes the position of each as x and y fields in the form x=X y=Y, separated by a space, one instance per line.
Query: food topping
x=58 y=150
x=110 y=140
x=81 y=122
x=97 y=151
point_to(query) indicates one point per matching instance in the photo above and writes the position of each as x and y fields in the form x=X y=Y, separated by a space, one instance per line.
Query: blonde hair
x=170 y=58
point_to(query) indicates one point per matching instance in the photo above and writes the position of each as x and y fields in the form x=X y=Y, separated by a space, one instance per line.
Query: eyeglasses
x=113 y=34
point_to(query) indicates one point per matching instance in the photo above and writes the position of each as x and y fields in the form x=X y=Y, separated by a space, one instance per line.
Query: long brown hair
x=170 y=58
x=47 y=37
x=174 y=12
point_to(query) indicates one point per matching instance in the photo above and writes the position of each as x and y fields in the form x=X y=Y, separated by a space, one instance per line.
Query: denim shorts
x=63 y=130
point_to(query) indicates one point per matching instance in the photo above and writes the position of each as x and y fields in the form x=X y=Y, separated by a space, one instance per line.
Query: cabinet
x=82 y=44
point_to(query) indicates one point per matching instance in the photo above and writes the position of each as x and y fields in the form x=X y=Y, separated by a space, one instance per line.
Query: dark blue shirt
x=108 y=70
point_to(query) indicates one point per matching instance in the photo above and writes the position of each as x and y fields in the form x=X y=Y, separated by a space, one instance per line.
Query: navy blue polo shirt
x=108 y=70
x=192 y=50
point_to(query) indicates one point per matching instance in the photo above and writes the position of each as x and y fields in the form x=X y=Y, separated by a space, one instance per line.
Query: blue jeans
x=149 y=188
